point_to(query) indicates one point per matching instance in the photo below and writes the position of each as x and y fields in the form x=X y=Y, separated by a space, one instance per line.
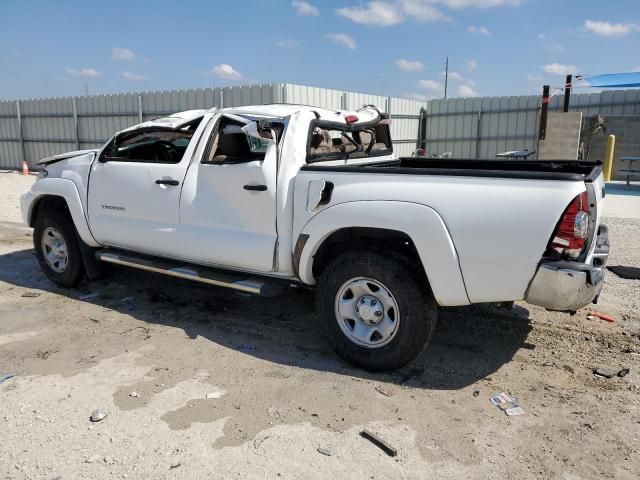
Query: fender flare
x=421 y=223
x=64 y=188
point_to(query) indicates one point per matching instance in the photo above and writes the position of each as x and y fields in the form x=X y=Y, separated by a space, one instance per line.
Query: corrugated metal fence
x=34 y=129
x=482 y=127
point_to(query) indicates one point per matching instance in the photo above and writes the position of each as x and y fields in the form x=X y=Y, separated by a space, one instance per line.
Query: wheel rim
x=367 y=312
x=54 y=250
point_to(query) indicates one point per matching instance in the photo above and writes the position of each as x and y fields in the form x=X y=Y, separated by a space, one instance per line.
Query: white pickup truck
x=259 y=198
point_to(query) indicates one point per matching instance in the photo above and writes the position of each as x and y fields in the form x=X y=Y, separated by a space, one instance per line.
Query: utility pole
x=446 y=76
x=567 y=93
x=86 y=89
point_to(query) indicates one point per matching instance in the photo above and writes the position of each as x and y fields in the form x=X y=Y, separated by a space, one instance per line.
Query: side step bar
x=252 y=285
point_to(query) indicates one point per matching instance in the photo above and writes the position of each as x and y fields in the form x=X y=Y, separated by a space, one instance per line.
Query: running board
x=252 y=285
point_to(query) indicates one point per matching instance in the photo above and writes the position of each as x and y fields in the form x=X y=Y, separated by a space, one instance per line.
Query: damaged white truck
x=259 y=198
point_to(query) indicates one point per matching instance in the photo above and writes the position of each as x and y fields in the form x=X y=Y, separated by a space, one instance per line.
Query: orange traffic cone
x=25 y=168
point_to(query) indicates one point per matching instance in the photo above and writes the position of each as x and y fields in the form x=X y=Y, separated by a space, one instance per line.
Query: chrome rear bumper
x=568 y=286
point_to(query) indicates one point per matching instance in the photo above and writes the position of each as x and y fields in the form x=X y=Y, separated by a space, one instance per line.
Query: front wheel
x=56 y=245
x=377 y=310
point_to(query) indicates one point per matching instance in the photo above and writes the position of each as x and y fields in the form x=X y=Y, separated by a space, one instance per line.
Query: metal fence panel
x=508 y=123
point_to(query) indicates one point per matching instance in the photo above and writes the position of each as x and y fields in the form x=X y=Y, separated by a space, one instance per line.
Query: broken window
x=151 y=145
x=231 y=144
x=329 y=142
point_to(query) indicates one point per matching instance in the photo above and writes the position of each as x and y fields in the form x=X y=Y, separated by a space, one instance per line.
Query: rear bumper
x=568 y=286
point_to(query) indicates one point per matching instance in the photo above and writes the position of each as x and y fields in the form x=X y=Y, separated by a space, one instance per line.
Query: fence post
x=20 y=135
x=221 y=98
x=139 y=108
x=75 y=122
x=478 y=124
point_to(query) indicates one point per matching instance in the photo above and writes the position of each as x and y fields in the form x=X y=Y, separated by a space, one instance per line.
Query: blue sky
x=389 y=47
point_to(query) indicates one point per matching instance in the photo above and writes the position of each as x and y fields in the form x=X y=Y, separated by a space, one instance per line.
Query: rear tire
x=376 y=308
x=56 y=244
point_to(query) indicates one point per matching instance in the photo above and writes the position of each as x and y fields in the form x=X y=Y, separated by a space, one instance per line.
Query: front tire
x=56 y=245
x=376 y=308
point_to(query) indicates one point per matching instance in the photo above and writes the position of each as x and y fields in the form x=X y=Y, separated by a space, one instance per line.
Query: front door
x=134 y=191
x=228 y=203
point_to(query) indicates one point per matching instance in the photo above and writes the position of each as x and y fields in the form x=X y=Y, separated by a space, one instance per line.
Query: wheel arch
x=59 y=193
x=413 y=229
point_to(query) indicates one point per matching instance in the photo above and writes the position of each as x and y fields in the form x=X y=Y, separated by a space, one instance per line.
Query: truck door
x=228 y=202
x=134 y=189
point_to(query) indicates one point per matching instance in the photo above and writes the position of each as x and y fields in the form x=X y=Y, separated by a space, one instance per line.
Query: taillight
x=571 y=234
x=351 y=118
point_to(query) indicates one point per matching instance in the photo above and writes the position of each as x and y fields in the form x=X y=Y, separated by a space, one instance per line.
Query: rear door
x=134 y=190
x=228 y=203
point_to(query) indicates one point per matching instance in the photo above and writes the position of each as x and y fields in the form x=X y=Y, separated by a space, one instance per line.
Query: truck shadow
x=470 y=343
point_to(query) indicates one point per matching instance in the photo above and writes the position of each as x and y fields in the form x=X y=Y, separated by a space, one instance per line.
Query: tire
x=59 y=230
x=402 y=305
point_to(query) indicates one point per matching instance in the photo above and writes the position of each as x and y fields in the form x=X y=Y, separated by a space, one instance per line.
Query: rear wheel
x=56 y=245
x=376 y=309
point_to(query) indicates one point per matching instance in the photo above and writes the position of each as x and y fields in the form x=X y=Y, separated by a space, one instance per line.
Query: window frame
x=214 y=133
x=345 y=127
x=106 y=156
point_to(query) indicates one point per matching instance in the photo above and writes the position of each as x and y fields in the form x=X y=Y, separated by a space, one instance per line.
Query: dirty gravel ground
x=282 y=393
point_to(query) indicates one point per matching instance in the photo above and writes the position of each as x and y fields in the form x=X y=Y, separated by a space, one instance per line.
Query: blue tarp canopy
x=619 y=80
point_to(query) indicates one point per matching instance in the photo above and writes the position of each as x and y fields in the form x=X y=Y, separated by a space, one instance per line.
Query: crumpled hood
x=65 y=156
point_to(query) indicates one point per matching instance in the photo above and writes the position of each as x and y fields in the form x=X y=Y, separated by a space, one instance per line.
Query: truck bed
x=572 y=170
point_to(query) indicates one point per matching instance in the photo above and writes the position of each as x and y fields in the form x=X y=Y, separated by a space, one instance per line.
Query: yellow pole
x=608 y=157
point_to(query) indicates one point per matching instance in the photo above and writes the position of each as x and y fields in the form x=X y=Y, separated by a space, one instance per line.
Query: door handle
x=168 y=182
x=255 y=188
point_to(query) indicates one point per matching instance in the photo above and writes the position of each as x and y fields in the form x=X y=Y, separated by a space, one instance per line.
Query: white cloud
x=534 y=78
x=636 y=69
x=432 y=85
x=373 y=13
x=305 y=8
x=607 y=29
x=454 y=76
x=134 y=77
x=409 y=65
x=122 y=54
x=467 y=91
x=472 y=65
x=391 y=12
x=226 y=72
x=559 y=69
x=479 y=30
x=288 y=43
x=477 y=3
x=342 y=39
x=83 y=72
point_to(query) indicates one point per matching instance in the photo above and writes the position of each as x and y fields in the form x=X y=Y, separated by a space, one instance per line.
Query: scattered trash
x=4 y=378
x=602 y=316
x=133 y=394
x=591 y=317
x=324 y=451
x=476 y=393
x=216 y=394
x=89 y=296
x=98 y=415
x=623 y=373
x=175 y=465
x=629 y=273
x=507 y=404
x=603 y=372
x=127 y=299
x=30 y=294
x=44 y=354
x=378 y=442
x=384 y=391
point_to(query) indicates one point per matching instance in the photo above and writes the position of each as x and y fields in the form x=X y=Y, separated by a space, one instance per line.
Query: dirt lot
x=281 y=392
